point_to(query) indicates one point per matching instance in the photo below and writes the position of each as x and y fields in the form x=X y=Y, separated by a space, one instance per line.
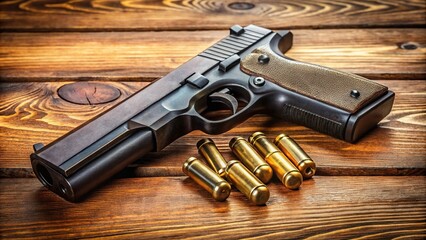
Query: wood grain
x=25 y=103
x=144 y=56
x=396 y=147
x=88 y=93
x=47 y=44
x=101 y=15
x=175 y=207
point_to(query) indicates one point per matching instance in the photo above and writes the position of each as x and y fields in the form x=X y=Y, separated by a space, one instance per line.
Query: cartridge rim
x=308 y=168
x=255 y=136
x=279 y=137
x=222 y=172
x=187 y=163
x=229 y=164
x=234 y=140
x=203 y=142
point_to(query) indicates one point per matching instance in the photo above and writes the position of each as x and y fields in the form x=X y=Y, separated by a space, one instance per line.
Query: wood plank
x=86 y=15
x=37 y=108
x=33 y=112
x=175 y=207
x=144 y=56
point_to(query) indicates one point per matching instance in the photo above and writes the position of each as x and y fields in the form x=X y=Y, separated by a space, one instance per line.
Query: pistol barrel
x=98 y=170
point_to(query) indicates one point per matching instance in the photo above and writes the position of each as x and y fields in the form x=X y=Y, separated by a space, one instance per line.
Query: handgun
x=243 y=74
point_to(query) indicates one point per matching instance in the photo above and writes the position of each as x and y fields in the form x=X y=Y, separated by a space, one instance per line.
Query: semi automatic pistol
x=243 y=74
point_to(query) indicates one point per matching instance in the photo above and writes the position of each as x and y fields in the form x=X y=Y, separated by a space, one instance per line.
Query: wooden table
x=375 y=188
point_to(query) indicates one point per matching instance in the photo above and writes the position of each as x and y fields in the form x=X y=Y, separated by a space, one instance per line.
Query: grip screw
x=263 y=59
x=355 y=94
x=259 y=81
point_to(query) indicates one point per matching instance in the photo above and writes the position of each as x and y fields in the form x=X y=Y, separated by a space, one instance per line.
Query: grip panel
x=317 y=82
x=309 y=119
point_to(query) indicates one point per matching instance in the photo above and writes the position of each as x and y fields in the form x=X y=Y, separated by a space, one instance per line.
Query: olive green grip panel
x=323 y=84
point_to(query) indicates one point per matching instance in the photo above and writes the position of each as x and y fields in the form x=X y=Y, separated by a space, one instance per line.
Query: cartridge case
x=247 y=183
x=284 y=169
x=296 y=154
x=207 y=178
x=251 y=159
x=207 y=149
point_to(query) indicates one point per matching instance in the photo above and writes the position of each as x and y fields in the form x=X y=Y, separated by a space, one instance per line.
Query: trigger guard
x=225 y=98
x=239 y=103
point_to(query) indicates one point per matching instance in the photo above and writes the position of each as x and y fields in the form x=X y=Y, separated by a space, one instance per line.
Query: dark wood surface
x=375 y=188
x=35 y=110
x=324 y=208
x=144 y=56
x=86 y=15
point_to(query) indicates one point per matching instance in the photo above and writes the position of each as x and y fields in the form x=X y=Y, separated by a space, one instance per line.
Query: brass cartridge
x=207 y=149
x=207 y=178
x=251 y=159
x=247 y=183
x=288 y=174
x=296 y=154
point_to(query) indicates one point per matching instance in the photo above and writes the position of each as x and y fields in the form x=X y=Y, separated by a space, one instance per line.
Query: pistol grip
x=346 y=91
x=336 y=92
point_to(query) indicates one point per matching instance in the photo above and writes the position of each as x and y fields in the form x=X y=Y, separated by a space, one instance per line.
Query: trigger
x=224 y=96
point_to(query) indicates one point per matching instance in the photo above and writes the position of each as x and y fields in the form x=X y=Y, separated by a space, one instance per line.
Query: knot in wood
x=241 y=5
x=409 y=45
x=88 y=93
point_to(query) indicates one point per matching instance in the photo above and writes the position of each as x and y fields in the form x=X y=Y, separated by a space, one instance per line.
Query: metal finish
x=214 y=158
x=296 y=154
x=207 y=178
x=77 y=140
x=251 y=159
x=288 y=174
x=177 y=104
x=247 y=183
x=74 y=187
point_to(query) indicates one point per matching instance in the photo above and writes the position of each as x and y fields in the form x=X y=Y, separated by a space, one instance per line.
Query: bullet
x=251 y=159
x=207 y=149
x=207 y=178
x=296 y=154
x=247 y=183
x=284 y=169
